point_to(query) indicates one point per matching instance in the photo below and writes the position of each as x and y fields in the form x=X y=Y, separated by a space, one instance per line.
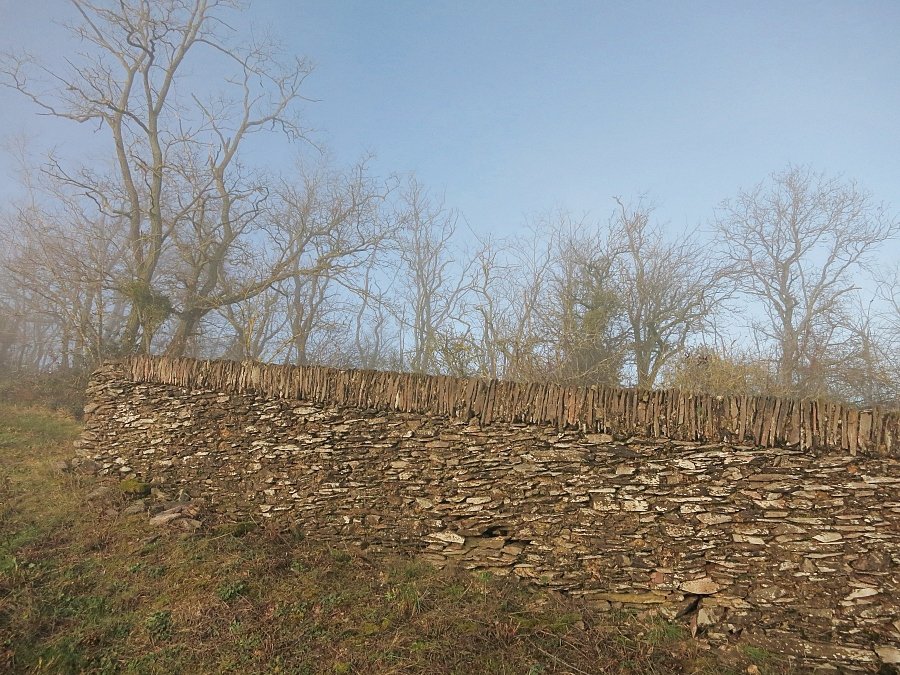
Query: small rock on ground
x=100 y=493
x=139 y=506
x=88 y=466
x=62 y=466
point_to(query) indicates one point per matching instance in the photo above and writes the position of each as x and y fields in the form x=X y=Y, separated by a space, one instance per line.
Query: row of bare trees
x=172 y=240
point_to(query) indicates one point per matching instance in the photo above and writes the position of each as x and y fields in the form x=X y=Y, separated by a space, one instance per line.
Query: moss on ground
x=134 y=488
x=85 y=590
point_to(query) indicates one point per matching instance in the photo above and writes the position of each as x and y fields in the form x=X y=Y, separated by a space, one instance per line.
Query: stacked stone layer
x=763 y=421
x=800 y=549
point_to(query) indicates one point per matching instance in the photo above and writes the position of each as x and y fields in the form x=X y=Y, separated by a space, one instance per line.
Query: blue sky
x=513 y=108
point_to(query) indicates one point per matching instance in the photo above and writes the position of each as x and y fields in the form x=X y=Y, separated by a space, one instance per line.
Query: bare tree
x=256 y=327
x=887 y=329
x=794 y=244
x=668 y=288
x=865 y=368
x=609 y=298
x=542 y=306
x=375 y=345
x=175 y=172
x=889 y=292
x=433 y=279
x=581 y=312
x=489 y=286
x=58 y=271
x=335 y=227
x=508 y=300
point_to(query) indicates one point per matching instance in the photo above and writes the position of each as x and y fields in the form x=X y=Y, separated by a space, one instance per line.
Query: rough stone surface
x=799 y=550
x=102 y=493
x=138 y=506
x=888 y=654
x=87 y=466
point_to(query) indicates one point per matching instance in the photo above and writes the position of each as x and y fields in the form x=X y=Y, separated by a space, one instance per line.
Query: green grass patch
x=22 y=428
x=232 y=591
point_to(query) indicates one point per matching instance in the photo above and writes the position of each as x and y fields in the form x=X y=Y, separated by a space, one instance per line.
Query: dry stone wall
x=797 y=548
x=756 y=420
